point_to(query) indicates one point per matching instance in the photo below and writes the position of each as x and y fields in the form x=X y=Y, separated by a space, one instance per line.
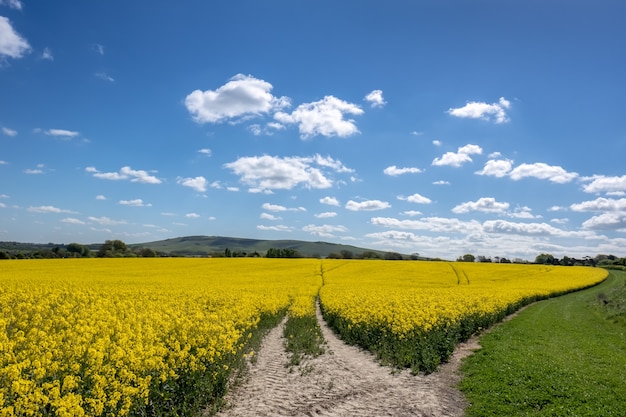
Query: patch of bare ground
x=345 y=381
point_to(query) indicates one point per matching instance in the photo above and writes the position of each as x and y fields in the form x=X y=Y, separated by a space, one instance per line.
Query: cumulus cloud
x=375 y=98
x=485 y=111
x=531 y=229
x=325 y=117
x=242 y=96
x=604 y=184
x=325 y=230
x=198 y=183
x=12 y=45
x=433 y=224
x=601 y=204
x=367 y=205
x=416 y=198
x=326 y=215
x=273 y=172
x=331 y=201
x=125 y=173
x=138 y=202
x=278 y=208
x=460 y=157
x=496 y=168
x=607 y=221
x=542 y=171
x=267 y=216
x=484 y=204
x=394 y=171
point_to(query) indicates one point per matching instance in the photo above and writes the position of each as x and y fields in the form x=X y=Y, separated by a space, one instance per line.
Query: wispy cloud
x=62 y=133
x=48 y=209
x=138 y=202
x=104 y=76
x=9 y=132
x=394 y=171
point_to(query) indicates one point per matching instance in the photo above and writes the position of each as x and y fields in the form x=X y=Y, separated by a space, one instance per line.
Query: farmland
x=163 y=336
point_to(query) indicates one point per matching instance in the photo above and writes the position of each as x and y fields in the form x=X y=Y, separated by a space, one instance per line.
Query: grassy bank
x=560 y=357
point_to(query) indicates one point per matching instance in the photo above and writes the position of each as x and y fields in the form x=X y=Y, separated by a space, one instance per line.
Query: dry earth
x=345 y=381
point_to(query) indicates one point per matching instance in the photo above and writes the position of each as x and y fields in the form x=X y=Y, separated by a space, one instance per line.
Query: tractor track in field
x=345 y=381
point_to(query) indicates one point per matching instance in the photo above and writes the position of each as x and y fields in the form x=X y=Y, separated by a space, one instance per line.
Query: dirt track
x=345 y=381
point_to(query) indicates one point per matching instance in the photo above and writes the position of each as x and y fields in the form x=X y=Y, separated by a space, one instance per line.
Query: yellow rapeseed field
x=412 y=314
x=115 y=337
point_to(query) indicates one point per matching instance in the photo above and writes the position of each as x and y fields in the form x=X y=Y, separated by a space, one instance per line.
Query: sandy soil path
x=345 y=381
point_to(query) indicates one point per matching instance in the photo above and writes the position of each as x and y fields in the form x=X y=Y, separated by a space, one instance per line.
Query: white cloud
x=100 y=197
x=496 y=168
x=325 y=230
x=416 y=198
x=205 y=151
x=433 y=224
x=198 y=183
x=601 y=183
x=542 y=171
x=192 y=215
x=601 y=204
x=326 y=215
x=394 y=171
x=47 y=54
x=331 y=201
x=14 y=4
x=460 y=157
x=480 y=110
x=9 y=132
x=412 y=213
x=277 y=228
x=484 y=204
x=368 y=205
x=607 y=221
x=437 y=142
x=324 y=117
x=273 y=172
x=48 y=209
x=441 y=182
x=531 y=229
x=125 y=173
x=522 y=213
x=12 y=44
x=106 y=221
x=33 y=171
x=277 y=208
x=98 y=48
x=375 y=98
x=242 y=96
x=71 y=220
x=62 y=133
x=138 y=202
x=267 y=216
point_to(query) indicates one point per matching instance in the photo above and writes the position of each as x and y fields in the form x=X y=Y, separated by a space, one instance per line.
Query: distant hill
x=207 y=245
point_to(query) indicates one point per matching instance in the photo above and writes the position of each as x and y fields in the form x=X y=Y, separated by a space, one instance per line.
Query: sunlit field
x=161 y=336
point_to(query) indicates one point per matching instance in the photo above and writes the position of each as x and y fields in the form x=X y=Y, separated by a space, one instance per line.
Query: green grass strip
x=303 y=337
x=564 y=356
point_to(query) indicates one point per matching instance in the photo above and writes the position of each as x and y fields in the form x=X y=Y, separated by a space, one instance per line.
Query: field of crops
x=160 y=336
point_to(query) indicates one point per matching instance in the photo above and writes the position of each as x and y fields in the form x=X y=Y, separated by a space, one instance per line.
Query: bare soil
x=345 y=381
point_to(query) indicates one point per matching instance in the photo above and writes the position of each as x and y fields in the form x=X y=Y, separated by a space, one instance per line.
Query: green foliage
x=303 y=337
x=562 y=357
x=282 y=253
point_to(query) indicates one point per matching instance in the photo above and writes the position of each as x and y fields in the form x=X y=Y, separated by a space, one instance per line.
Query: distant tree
x=78 y=250
x=147 y=253
x=393 y=256
x=113 y=249
x=227 y=253
x=468 y=257
x=545 y=258
x=346 y=254
x=282 y=253
x=333 y=255
x=4 y=255
x=483 y=259
x=370 y=254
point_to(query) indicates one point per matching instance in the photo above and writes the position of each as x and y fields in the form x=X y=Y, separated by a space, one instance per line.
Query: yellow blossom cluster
x=112 y=336
x=413 y=313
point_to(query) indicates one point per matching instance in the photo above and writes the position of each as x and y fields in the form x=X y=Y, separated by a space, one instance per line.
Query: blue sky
x=437 y=127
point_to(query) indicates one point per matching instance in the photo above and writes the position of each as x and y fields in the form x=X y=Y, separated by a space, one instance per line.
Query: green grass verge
x=303 y=337
x=564 y=356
